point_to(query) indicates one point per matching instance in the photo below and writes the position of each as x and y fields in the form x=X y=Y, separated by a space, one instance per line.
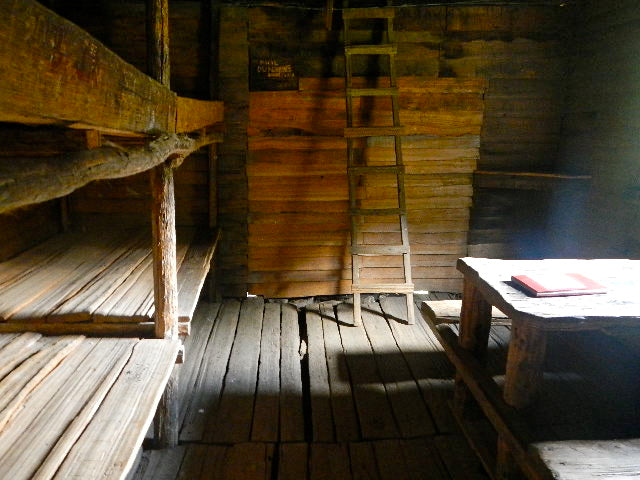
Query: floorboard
x=288 y=390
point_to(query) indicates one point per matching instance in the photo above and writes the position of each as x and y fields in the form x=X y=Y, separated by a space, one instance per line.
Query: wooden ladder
x=354 y=171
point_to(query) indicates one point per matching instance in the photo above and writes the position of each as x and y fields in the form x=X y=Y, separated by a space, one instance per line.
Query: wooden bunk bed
x=78 y=403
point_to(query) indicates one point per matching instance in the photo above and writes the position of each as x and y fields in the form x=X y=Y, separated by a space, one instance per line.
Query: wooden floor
x=291 y=390
x=100 y=278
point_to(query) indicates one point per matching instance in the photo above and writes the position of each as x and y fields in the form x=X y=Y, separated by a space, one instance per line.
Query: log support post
x=475 y=324
x=165 y=281
x=523 y=377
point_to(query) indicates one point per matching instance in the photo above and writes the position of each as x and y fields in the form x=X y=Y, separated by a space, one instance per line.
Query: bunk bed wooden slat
x=79 y=408
x=125 y=414
x=81 y=283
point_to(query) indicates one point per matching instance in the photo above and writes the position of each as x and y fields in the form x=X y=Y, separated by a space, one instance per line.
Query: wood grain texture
x=100 y=80
x=295 y=180
x=584 y=460
x=30 y=180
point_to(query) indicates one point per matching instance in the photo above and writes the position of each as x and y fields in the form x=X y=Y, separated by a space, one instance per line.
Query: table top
x=620 y=305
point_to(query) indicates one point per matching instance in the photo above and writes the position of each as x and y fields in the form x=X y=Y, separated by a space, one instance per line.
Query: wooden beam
x=27 y=180
x=56 y=73
x=194 y=114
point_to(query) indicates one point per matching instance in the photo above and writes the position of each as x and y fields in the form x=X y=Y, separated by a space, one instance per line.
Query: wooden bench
x=557 y=460
x=448 y=311
x=77 y=407
x=589 y=459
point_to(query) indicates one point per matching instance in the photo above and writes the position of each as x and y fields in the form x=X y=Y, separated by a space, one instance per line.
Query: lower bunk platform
x=98 y=283
x=77 y=407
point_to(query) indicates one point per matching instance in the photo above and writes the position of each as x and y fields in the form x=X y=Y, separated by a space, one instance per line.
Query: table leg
x=475 y=323
x=522 y=381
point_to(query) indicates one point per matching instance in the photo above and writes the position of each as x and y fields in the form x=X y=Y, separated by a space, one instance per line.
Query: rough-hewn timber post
x=165 y=281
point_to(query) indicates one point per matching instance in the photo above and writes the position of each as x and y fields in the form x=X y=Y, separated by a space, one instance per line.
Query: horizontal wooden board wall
x=517 y=50
x=600 y=133
x=298 y=193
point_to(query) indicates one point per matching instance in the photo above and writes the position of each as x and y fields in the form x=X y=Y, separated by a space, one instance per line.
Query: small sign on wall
x=272 y=73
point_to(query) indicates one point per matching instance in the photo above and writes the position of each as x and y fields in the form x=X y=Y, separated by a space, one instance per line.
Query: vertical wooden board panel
x=374 y=411
x=201 y=411
x=266 y=416
x=291 y=410
x=343 y=408
x=233 y=419
x=321 y=416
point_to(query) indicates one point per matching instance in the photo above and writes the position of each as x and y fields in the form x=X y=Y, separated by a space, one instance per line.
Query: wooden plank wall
x=233 y=78
x=516 y=51
x=600 y=133
x=298 y=194
x=26 y=227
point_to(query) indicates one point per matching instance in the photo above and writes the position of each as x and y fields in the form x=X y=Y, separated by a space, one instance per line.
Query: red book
x=549 y=284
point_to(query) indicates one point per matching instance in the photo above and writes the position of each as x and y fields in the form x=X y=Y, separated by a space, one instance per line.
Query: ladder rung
x=371 y=12
x=357 y=132
x=377 y=211
x=383 y=288
x=379 y=250
x=373 y=92
x=377 y=169
x=388 y=49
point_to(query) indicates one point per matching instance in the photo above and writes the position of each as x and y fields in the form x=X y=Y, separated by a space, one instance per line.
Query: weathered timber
x=24 y=181
x=101 y=81
x=165 y=278
x=192 y=114
x=163 y=233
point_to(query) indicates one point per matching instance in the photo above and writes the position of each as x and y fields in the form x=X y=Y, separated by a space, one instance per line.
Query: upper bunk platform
x=98 y=282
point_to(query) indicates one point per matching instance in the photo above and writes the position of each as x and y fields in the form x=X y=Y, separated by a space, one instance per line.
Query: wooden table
x=486 y=284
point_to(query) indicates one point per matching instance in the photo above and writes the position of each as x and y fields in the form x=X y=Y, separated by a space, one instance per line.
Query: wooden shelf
x=98 y=283
x=525 y=180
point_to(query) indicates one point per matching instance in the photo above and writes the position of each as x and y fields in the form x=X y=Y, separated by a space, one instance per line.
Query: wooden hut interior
x=246 y=239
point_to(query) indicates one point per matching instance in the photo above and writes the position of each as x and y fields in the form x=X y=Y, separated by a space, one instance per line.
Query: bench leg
x=166 y=422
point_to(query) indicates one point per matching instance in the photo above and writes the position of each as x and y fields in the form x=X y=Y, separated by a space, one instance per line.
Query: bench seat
x=77 y=407
x=589 y=459
x=448 y=311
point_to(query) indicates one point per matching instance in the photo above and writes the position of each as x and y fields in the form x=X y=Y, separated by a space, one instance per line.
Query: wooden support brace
x=27 y=180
